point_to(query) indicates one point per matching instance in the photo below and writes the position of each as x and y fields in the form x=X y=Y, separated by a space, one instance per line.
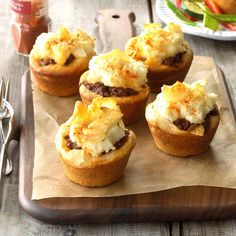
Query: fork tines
x=2 y=93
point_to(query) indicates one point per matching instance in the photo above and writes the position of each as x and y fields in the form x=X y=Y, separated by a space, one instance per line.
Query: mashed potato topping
x=116 y=69
x=182 y=100
x=95 y=128
x=60 y=45
x=156 y=44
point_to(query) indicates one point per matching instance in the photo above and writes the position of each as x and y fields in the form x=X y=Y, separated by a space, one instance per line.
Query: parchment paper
x=148 y=169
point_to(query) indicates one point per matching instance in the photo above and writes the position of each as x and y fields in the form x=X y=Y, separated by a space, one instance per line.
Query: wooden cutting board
x=178 y=204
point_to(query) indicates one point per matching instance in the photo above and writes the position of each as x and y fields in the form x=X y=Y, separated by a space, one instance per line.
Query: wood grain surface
x=185 y=203
x=116 y=27
x=74 y=13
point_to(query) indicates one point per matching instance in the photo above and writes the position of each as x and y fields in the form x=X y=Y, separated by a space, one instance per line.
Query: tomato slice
x=230 y=26
x=215 y=9
x=178 y=3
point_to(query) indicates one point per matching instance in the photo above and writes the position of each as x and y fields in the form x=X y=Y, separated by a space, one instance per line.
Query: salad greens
x=191 y=11
x=179 y=14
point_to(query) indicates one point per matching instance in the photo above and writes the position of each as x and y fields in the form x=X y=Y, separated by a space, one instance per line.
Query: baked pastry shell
x=132 y=107
x=102 y=170
x=168 y=75
x=176 y=142
x=58 y=80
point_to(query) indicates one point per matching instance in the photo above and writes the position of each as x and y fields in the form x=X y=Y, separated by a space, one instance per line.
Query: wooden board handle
x=115 y=28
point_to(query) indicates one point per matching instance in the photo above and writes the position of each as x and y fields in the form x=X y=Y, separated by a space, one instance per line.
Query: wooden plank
x=175 y=229
x=23 y=225
x=211 y=228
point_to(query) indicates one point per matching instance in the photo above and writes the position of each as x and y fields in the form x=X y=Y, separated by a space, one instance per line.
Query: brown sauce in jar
x=29 y=19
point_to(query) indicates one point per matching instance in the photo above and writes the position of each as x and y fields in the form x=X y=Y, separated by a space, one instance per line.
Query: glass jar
x=28 y=20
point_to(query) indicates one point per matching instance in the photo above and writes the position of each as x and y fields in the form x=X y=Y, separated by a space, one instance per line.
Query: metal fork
x=2 y=109
x=11 y=130
x=4 y=97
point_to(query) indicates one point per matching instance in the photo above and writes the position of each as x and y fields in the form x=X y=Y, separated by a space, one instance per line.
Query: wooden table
x=78 y=13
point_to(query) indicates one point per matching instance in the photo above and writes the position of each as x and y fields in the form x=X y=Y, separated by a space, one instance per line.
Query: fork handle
x=4 y=150
x=2 y=165
x=15 y=134
x=2 y=136
x=5 y=164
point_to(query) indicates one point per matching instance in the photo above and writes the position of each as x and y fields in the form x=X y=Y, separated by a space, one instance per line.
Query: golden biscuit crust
x=51 y=69
x=100 y=171
x=183 y=143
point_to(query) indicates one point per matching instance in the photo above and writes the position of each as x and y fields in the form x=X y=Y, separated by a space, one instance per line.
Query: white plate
x=167 y=16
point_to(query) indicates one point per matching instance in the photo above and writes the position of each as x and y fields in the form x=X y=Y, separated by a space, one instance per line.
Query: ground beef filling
x=69 y=59
x=173 y=61
x=107 y=91
x=122 y=141
x=72 y=145
x=47 y=61
x=184 y=124
x=50 y=61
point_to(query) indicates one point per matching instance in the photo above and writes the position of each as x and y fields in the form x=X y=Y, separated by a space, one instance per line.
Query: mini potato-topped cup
x=116 y=75
x=164 y=51
x=94 y=145
x=183 y=119
x=57 y=61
